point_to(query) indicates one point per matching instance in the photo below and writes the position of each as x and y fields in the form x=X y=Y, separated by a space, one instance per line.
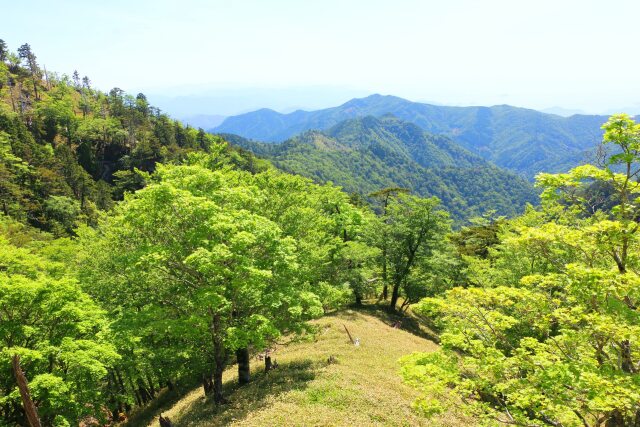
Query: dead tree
x=29 y=407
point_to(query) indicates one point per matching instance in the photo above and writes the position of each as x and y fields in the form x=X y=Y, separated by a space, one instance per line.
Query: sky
x=231 y=56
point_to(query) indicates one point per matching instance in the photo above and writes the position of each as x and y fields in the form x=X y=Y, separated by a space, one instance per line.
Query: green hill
x=69 y=150
x=522 y=140
x=367 y=154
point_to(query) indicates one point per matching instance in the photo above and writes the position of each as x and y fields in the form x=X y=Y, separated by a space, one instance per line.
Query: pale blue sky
x=569 y=53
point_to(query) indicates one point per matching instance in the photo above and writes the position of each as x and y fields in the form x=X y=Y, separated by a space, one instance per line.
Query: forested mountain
x=141 y=259
x=68 y=150
x=366 y=154
x=522 y=140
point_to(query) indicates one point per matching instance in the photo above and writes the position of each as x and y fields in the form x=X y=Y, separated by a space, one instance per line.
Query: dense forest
x=69 y=150
x=138 y=256
x=366 y=154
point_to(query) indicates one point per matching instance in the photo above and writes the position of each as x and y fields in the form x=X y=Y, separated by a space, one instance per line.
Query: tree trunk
x=626 y=362
x=394 y=296
x=358 y=296
x=244 y=372
x=385 y=289
x=144 y=393
x=13 y=101
x=46 y=76
x=219 y=358
x=615 y=419
x=165 y=421
x=29 y=407
x=35 y=86
x=123 y=389
x=207 y=385
x=218 y=395
x=114 y=393
x=152 y=388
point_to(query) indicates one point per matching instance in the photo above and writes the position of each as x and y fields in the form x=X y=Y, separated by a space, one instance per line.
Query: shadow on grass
x=406 y=321
x=165 y=399
x=251 y=397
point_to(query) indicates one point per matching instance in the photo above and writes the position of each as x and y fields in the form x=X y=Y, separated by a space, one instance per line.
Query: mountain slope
x=366 y=154
x=525 y=141
x=362 y=388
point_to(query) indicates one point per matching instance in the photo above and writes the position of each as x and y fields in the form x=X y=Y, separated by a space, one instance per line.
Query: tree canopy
x=550 y=333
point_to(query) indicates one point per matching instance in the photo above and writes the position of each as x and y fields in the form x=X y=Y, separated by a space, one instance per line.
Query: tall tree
x=383 y=197
x=216 y=269
x=414 y=229
x=27 y=55
x=4 y=51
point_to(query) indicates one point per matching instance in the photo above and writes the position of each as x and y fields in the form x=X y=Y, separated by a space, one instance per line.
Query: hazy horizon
x=215 y=57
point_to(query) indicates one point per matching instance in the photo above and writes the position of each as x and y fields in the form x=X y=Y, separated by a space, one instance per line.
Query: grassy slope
x=363 y=388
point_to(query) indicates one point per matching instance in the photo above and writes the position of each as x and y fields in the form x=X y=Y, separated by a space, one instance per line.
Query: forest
x=138 y=255
x=366 y=154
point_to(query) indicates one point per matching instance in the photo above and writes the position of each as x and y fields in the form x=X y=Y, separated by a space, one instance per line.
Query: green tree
x=186 y=256
x=63 y=213
x=413 y=228
x=25 y=53
x=4 y=51
x=383 y=197
x=550 y=335
x=60 y=334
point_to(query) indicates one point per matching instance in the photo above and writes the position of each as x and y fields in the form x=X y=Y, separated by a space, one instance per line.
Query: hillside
x=522 y=140
x=69 y=150
x=244 y=255
x=367 y=154
x=362 y=388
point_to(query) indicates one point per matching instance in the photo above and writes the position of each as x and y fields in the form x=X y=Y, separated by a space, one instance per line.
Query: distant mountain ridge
x=522 y=140
x=367 y=154
x=204 y=121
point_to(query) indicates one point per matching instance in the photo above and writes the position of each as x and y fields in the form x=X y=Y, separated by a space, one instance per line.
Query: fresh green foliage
x=223 y=277
x=550 y=334
x=61 y=335
x=411 y=232
x=62 y=141
x=206 y=260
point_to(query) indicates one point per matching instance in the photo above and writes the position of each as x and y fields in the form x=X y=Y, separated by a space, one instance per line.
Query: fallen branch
x=345 y=328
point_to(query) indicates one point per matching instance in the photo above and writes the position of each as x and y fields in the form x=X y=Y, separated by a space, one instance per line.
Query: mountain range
x=366 y=154
x=522 y=140
x=204 y=121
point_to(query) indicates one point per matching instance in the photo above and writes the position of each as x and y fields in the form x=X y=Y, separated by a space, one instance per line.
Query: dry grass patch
x=363 y=387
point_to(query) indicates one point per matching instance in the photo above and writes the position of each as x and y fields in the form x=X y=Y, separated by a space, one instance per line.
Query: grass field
x=362 y=388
